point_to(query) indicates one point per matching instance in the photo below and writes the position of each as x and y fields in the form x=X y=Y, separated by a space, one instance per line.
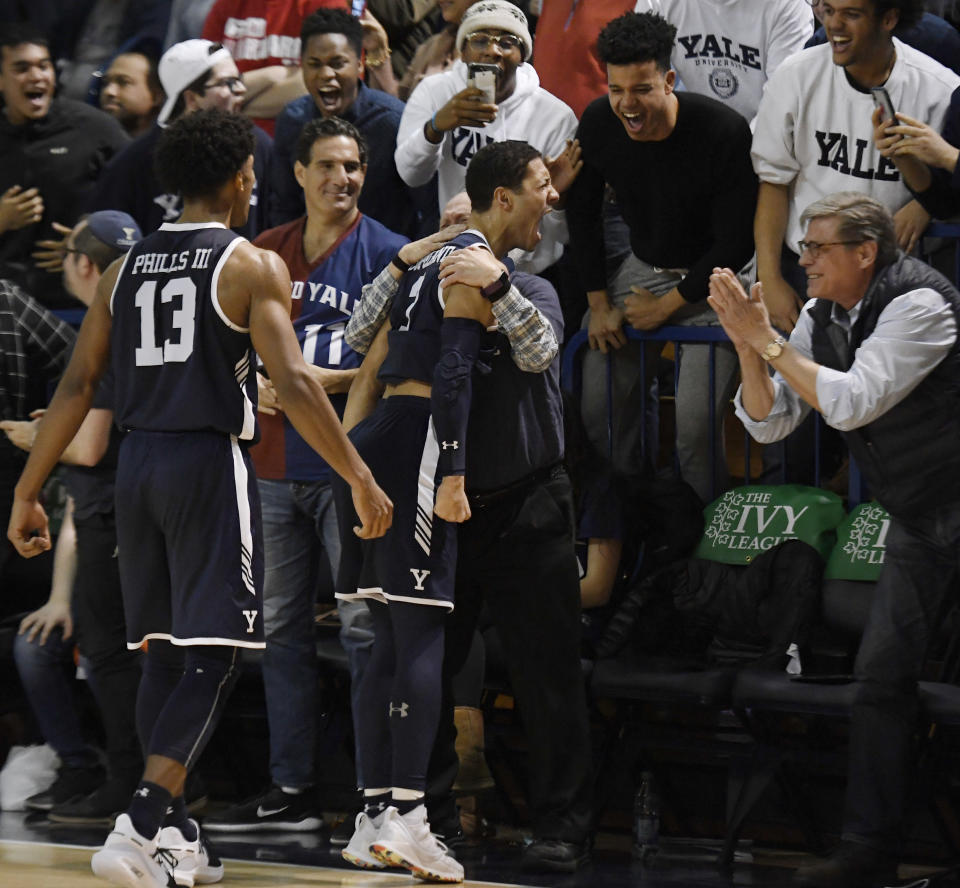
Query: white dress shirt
x=913 y=335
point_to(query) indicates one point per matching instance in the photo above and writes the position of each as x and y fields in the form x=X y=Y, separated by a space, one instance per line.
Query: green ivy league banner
x=861 y=545
x=749 y=520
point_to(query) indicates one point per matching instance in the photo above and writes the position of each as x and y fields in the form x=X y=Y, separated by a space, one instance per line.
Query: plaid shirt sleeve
x=43 y=332
x=31 y=339
x=371 y=311
x=533 y=342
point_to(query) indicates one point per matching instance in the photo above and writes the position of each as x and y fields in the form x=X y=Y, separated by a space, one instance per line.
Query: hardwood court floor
x=36 y=854
x=32 y=865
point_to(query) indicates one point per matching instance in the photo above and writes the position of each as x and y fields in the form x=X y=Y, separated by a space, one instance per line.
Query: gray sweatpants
x=630 y=379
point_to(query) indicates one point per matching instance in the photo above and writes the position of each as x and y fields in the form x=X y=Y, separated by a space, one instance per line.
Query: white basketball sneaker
x=196 y=862
x=131 y=860
x=406 y=841
x=357 y=850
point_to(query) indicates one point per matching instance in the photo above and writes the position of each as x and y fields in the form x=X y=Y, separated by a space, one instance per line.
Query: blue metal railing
x=571 y=377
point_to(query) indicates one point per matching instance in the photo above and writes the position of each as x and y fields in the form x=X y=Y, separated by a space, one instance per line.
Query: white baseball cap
x=181 y=65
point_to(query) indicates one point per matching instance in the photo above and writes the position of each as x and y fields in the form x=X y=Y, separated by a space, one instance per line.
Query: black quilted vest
x=910 y=456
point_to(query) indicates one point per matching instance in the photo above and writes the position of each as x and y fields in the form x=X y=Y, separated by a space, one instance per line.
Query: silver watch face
x=773 y=349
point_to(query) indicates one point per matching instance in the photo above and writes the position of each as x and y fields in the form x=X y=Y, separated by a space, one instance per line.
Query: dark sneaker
x=274 y=811
x=852 y=865
x=554 y=855
x=449 y=831
x=71 y=783
x=102 y=806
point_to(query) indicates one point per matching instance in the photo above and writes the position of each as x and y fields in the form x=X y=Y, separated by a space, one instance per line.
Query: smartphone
x=881 y=98
x=484 y=77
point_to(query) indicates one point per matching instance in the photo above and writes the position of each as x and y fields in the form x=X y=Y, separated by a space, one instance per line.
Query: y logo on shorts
x=251 y=616
x=418 y=577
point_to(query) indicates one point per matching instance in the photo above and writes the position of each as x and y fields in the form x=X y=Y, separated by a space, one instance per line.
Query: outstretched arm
x=377 y=297
x=533 y=341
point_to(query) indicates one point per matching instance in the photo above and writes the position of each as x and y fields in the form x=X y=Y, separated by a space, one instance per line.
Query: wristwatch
x=773 y=349
x=500 y=287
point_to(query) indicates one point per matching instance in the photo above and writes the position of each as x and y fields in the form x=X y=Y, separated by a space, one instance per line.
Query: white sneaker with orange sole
x=406 y=841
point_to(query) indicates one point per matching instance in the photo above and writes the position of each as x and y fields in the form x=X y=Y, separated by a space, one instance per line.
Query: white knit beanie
x=500 y=15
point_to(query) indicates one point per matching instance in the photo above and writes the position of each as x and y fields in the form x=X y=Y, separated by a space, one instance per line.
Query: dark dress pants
x=919 y=578
x=516 y=554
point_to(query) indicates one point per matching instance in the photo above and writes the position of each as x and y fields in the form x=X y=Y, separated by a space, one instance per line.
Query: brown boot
x=474 y=775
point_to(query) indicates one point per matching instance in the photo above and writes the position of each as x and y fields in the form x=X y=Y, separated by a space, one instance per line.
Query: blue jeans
x=299 y=524
x=919 y=572
x=45 y=672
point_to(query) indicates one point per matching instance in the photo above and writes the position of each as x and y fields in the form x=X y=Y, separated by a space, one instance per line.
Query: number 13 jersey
x=180 y=363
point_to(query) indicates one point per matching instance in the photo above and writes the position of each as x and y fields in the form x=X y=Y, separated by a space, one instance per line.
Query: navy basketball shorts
x=189 y=540
x=415 y=560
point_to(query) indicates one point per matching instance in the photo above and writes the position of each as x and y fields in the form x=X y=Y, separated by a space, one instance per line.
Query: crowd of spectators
x=681 y=137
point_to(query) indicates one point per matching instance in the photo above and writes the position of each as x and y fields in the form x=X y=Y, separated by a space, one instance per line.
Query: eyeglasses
x=234 y=84
x=814 y=248
x=479 y=42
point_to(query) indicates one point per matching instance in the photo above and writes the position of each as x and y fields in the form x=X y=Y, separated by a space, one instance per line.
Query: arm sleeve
x=732 y=211
x=371 y=311
x=533 y=341
x=913 y=335
x=788 y=409
x=417 y=158
x=772 y=151
x=45 y=336
x=452 y=391
x=584 y=211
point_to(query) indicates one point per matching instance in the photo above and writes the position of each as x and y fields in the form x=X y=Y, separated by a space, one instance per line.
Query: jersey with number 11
x=180 y=363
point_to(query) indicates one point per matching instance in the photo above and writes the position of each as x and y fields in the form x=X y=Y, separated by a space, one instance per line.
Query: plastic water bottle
x=646 y=817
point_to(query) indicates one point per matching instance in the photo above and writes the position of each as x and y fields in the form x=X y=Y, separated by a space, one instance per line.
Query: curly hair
x=497 y=165
x=637 y=37
x=910 y=11
x=200 y=152
x=332 y=21
x=327 y=128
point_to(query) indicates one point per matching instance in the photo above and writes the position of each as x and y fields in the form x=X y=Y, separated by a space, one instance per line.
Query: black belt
x=484 y=498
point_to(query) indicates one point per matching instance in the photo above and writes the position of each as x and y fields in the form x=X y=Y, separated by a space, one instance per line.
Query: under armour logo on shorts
x=454 y=445
x=402 y=709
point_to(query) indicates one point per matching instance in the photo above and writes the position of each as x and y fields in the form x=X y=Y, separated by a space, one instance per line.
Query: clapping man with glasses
x=196 y=75
x=875 y=352
x=447 y=119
